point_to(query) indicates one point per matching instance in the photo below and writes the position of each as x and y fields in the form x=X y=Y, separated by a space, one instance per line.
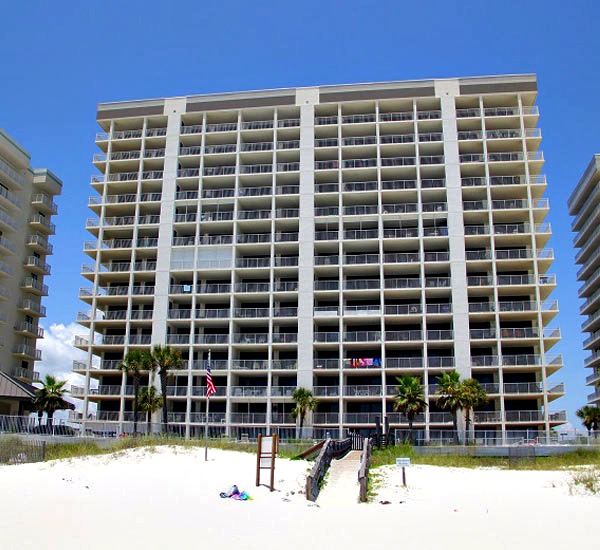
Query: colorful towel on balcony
x=365 y=362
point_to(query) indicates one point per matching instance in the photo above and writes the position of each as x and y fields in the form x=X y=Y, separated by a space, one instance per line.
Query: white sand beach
x=169 y=498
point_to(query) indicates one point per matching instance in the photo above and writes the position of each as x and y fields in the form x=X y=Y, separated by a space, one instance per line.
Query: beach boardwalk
x=341 y=485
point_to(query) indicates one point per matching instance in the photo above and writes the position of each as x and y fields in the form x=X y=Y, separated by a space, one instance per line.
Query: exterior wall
x=332 y=238
x=26 y=210
x=584 y=204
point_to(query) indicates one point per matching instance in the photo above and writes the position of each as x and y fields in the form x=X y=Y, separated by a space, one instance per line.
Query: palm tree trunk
x=149 y=420
x=410 y=429
x=455 y=425
x=40 y=415
x=136 y=394
x=467 y=426
x=163 y=387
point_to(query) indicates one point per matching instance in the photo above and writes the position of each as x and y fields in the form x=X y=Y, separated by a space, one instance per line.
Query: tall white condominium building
x=584 y=204
x=331 y=238
x=26 y=210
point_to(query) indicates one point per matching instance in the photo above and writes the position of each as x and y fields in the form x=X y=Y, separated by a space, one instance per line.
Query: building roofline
x=583 y=185
x=157 y=103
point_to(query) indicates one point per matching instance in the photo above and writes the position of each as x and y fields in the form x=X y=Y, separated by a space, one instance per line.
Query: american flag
x=210 y=385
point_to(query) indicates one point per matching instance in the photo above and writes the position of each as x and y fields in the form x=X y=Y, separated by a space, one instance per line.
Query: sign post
x=265 y=457
x=403 y=463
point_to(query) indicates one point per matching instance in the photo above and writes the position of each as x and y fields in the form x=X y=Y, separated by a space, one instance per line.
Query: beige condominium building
x=26 y=210
x=584 y=204
x=332 y=238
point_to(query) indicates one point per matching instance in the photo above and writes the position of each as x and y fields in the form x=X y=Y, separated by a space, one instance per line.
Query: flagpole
x=206 y=425
x=206 y=431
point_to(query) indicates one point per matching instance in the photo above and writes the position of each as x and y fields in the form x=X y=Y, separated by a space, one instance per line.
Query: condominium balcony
x=15 y=176
x=34 y=286
x=514 y=156
x=7 y=246
x=254 y=338
x=142 y=242
x=9 y=221
x=30 y=329
x=118 y=267
x=506 y=204
x=497 y=111
x=39 y=244
x=27 y=351
x=511 y=280
x=193 y=129
x=9 y=198
x=517 y=360
x=593 y=379
x=41 y=223
x=222 y=127
x=362 y=391
x=326 y=391
x=594 y=397
x=32 y=308
x=5 y=269
x=515 y=333
x=44 y=202
x=97 y=200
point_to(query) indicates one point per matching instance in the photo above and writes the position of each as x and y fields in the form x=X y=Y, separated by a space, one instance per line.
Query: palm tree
x=132 y=365
x=304 y=402
x=470 y=394
x=590 y=418
x=410 y=399
x=50 y=398
x=448 y=397
x=150 y=402
x=165 y=359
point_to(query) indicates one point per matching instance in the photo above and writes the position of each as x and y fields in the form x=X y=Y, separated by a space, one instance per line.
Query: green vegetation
x=304 y=402
x=447 y=397
x=91 y=448
x=590 y=418
x=410 y=400
x=388 y=455
x=471 y=395
x=455 y=395
x=50 y=398
x=374 y=483
x=85 y=448
x=150 y=402
x=587 y=479
x=165 y=359
x=132 y=365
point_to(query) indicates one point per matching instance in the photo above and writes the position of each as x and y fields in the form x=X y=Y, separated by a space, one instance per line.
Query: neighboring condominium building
x=332 y=238
x=584 y=204
x=26 y=210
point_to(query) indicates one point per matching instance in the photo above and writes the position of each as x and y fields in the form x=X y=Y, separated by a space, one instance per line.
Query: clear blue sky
x=60 y=59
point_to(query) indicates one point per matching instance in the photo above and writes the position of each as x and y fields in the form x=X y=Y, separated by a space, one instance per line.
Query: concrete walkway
x=341 y=482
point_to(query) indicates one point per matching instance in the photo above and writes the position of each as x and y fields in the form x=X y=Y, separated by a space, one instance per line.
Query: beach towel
x=234 y=493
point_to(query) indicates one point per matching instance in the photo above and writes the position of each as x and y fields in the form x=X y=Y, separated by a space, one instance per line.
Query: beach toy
x=233 y=490
x=234 y=493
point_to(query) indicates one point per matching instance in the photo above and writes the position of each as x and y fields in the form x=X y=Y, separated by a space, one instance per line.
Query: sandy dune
x=169 y=498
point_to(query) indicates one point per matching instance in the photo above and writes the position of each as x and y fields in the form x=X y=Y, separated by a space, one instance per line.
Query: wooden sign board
x=265 y=457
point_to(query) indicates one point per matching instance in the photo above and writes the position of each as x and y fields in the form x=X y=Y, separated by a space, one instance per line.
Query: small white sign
x=403 y=462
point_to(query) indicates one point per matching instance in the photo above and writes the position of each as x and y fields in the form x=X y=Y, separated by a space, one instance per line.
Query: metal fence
x=16 y=449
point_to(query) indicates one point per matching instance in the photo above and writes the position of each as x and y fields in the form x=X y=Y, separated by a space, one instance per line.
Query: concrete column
x=306 y=98
x=446 y=90
x=173 y=109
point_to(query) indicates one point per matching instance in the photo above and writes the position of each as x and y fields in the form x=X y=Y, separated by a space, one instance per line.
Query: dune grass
x=388 y=455
x=55 y=451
